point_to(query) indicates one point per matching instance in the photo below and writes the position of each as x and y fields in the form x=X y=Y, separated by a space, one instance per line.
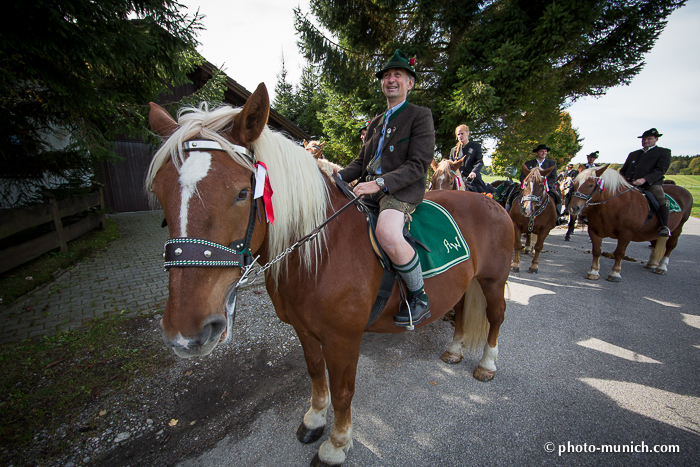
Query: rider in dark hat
x=645 y=168
x=591 y=159
x=391 y=168
x=542 y=163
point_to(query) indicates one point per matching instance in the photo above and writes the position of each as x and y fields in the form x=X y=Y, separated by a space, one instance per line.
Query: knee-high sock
x=412 y=274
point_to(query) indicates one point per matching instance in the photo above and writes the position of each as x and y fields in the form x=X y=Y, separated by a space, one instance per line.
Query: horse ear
x=525 y=170
x=161 y=122
x=305 y=144
x=433 y=165
x=548 y=171
x=599 y=172
x=251 y=121
x=322 y=145
x=457 y=164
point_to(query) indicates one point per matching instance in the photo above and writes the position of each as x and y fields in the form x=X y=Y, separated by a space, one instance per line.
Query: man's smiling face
x=396 y=83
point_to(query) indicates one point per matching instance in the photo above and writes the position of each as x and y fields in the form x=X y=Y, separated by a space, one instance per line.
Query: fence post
x=58 y=225
x=103 y=215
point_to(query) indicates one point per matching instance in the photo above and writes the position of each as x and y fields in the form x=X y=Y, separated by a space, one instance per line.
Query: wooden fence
x=13 y=221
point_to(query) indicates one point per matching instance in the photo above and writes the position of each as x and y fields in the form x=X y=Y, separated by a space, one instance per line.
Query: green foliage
x=517 y=144
x=76 y=74
x=302 y=104
x=44 y=383
x=501 y=66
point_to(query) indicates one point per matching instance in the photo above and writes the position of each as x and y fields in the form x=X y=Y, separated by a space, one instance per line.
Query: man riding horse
x=542 y=163
x=645 y=168
x=392 y=168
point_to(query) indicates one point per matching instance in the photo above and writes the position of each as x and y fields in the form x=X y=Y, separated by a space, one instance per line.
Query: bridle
x=196 y=252
x=597 y=186
x=537 y=200
x=182 y=252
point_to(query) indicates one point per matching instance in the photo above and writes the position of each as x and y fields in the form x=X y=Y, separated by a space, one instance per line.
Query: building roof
x=237 y=95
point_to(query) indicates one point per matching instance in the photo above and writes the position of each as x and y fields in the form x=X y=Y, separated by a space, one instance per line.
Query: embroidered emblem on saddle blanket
x=435 y=227
x=673 y=205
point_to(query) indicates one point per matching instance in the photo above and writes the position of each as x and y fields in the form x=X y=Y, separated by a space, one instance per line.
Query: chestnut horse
x=315 y=148
x=533 y=214
x=616 y=209
x=447 y=175
x=205 y=176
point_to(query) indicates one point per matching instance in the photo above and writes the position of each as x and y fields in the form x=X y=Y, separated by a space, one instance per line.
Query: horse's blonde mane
x=300 y=191
x=534 y=175
x=612 y=180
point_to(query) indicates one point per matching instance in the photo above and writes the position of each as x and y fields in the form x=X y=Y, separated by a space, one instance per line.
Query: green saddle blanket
x=673 y=205
x=434 y=226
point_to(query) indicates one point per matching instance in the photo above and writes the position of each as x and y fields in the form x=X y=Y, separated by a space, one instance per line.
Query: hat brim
x=655 y=136
x=391 y=66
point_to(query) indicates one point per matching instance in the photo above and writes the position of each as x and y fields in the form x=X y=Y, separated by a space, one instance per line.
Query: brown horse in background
x=315 y=148
x=616 y=209
x=533 y=214
x=205 y=176
x=446 y=175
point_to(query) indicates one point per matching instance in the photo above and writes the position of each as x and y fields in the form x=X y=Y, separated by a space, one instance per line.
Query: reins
x=587 y=198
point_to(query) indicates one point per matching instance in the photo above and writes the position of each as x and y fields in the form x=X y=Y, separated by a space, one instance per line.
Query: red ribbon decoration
x=267 y=191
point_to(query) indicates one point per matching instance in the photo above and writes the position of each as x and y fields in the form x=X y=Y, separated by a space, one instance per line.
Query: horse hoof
x=533 y=271
x=515 y=269
x=317 y=462
x=659 y=271
x=451 y=357
x=308 y=435
x=592 y=277
x=614 y=278
x=483 y=375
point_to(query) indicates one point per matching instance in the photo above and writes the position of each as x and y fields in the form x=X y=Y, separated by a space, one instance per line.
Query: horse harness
x=196 y=252
x=540 y=210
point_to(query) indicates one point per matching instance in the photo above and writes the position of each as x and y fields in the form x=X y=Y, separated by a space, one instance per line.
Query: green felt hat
x=399 y=60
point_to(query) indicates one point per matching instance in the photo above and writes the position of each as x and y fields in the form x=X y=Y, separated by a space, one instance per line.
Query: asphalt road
x=584 y=366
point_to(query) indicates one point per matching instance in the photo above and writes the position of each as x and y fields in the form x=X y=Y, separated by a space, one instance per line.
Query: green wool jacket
x=408 y=148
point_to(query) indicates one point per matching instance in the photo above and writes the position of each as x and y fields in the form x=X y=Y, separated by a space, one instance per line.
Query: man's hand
x=639 y=181
x=366 y=188
x=471 y=175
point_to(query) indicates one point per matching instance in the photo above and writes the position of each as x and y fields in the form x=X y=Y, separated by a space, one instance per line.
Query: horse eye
x=242 y=195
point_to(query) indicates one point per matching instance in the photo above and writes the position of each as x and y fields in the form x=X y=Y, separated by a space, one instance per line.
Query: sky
x=248 y=38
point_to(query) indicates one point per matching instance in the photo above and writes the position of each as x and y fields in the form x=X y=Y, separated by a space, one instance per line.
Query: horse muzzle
x=202 y=344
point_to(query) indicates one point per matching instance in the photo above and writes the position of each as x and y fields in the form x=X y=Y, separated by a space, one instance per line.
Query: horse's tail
x=474 y=322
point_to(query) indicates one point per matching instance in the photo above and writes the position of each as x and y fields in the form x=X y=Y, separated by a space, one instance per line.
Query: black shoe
x=420 y=309
x=663 y=231
x=567 y=238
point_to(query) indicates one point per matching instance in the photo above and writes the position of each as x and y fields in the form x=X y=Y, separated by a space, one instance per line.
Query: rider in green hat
x=392 y=168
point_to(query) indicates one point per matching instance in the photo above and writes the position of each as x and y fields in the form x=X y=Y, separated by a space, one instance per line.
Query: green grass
x=14 y=283
x=692 y=184
x=46 y=383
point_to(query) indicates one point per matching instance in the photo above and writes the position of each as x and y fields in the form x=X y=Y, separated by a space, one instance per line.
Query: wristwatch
x=380 y=182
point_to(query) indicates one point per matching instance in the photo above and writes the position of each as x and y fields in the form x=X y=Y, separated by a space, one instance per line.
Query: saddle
x=370 y=209
x=437 y=253
x=673 y=205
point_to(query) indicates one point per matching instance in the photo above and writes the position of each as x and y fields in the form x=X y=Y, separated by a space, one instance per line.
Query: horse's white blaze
x=194 y=169
x=488 y=361
x=330 y=454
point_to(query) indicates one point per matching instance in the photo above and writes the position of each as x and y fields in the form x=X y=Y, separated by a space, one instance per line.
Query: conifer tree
x=484 y=63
